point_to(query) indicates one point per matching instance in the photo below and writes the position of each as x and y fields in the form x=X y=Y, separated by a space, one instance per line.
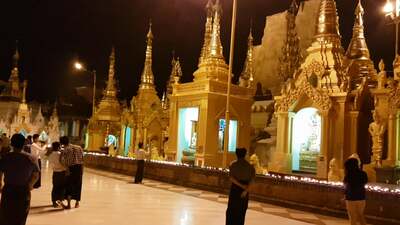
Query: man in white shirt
x=37 y=149
x=59 y=176
x=140 y=156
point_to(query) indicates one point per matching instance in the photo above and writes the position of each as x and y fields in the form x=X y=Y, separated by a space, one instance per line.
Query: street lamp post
x=80 y=67
x=228 y=94
x=394 y=13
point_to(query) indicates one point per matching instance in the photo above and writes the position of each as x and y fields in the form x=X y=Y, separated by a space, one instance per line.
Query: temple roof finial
x=147 y=78
x=111 y=90
x=216 y=49
x=207 y=31
x=247 y=77
x=16 y=55
x=358 y=48
x=327 y=25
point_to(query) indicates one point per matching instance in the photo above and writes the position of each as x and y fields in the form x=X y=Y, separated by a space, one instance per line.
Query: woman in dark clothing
x=354 y=184
x=59 y=176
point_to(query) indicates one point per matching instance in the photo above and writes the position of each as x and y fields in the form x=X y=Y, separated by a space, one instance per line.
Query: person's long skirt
x=74 y=182
x=14 y=206
x=39 y=181
x=237 y=206
x=58 y=191
x=139 y=171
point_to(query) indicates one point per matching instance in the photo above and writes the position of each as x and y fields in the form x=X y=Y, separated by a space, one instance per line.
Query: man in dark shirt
x=241 y=174
x=20 y=174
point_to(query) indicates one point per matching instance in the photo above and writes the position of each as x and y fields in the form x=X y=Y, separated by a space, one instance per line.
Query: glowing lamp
x=78 y=66
x=388 y=8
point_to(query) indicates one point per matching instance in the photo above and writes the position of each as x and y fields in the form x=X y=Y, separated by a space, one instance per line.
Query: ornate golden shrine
x=146 y=117
x=335 y=83
x=206 y=97
x=106 y=120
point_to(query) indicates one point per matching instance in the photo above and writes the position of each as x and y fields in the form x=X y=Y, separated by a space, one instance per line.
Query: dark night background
x=53 y=33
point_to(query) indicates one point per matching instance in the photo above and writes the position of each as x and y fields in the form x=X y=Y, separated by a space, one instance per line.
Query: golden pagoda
x=105 y=124
x=196 y=123
x=324 y=111
x=145 y=120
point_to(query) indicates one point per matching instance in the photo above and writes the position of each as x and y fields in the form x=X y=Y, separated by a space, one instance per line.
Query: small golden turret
x=358 y=48
x=147 y=78
x=327 y=25
x=247 y=77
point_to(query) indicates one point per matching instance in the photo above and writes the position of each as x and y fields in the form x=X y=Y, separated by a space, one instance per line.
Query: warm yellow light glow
x=78 y=66
x=388 y=8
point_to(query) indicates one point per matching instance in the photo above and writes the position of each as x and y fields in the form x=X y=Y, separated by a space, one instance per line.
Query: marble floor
x=110 y=198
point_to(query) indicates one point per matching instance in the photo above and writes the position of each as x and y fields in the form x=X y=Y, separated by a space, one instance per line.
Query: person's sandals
x=60 y=203
x=76 y=204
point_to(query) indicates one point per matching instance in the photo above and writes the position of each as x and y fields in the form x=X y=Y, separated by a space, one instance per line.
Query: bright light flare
x=78 y=66
x=388 y=8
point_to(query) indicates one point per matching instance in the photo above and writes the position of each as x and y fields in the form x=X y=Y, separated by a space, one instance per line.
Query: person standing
x=72 y=157
x=354 y=188
x=241 y=174
x=140 y=156
x=59 y=176
x=20 y=174
x=37 y=149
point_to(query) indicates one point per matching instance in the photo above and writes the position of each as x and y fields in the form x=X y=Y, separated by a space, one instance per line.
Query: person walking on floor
x=241 y=174
x=140 y=156
x=354 y=188
x=59 y=176
x=37 y=149
x=20 y=174
x=72 y=157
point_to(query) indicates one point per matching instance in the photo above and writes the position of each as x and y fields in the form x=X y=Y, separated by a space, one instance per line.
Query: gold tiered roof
x=147 y=78
x=213 y=65
x=207 y=31
x=327 y=25
x=358 y=51
x=358 y=48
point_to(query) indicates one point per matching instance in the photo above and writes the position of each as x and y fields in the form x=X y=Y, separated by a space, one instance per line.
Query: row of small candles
x=308 y=180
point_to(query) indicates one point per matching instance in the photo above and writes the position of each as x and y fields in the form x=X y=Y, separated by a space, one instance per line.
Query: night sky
x=54 y=33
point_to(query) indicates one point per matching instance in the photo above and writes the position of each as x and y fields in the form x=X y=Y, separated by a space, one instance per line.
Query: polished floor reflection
x=110 y=199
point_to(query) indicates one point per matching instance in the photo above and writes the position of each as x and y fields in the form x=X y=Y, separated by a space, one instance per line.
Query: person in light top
x=59 y=176
x=37 y=149
x=140 y=156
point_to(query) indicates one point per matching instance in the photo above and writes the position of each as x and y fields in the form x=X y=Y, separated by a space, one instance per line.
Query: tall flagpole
x=228 y=94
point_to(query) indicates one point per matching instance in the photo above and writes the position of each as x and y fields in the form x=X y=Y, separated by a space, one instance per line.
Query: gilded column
x=322 y=170
x=353 y=130
x=280 y=161
x=391 y=156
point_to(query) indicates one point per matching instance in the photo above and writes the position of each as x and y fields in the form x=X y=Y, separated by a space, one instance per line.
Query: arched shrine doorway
x=305 y=140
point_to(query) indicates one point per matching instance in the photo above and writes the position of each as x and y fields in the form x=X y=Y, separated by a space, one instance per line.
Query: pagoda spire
x=247 y=77
x=328 y=25
x=14 y=72
x=358 y=48
x=111 y=90
x=216 y=50
x=207 y=31
x=147 y=78
x=16 y=56
x=213 y=65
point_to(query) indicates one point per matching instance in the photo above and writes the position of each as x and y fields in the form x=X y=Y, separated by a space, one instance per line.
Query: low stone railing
x=383 y=202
